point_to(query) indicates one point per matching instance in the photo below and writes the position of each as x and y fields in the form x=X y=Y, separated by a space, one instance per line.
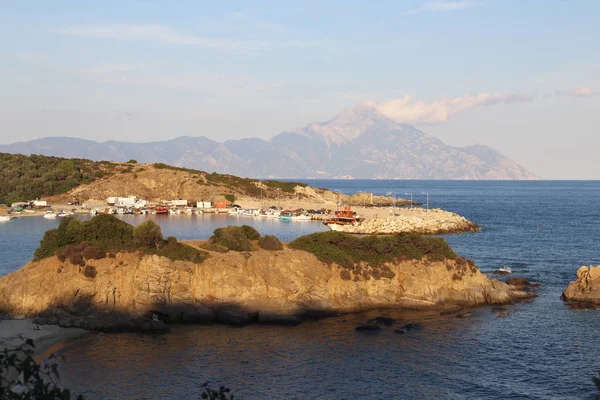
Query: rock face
x=239 y=288
x=586 y=288
x=415 y=220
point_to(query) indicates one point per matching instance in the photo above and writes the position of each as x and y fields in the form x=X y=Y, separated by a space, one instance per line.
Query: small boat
x=62 y=214
x=4 y=218
x=302 y=217
x=286 y=215
x=161 y=210
x=94 y=211
x=50 y=215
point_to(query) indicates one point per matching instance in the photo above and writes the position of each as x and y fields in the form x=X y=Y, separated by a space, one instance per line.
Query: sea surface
x=543 y=349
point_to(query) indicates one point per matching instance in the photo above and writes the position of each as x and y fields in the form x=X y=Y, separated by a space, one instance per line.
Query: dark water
x=543 y=230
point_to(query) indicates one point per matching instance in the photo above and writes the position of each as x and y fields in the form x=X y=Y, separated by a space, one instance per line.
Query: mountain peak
x=348 y=125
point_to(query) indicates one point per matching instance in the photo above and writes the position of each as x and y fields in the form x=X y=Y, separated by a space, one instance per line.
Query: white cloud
x=443 y=6
x=405 y=110
x=160 y=33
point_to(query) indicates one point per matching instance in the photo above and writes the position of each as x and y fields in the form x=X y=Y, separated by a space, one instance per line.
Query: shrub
x=229 y=197
x=250 y=232
x=270 y=242
x=172 y=242
x=132 y=162
x=93 y=253
x=77 y=259
x=90 y=271
x=347 y=250
x=148 y=234
x=345 y=275
x=234 y=237
x=108 y=233
x=183 y=252
x=48 y=245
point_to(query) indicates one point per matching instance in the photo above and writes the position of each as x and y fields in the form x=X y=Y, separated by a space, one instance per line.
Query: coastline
x=49 y=337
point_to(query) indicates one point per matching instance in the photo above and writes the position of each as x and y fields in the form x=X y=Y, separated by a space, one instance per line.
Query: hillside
x=359 y=143
x=30 y=177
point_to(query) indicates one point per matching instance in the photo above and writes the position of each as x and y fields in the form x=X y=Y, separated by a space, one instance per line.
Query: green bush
x=346 y=250
x=270 y=242
x=250 y=232
x=183 y=252
x=237 y=238
x=108 y=233
x=75 y=241
x=148 y=234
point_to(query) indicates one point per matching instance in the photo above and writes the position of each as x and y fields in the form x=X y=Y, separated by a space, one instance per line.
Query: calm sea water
x=542 y=350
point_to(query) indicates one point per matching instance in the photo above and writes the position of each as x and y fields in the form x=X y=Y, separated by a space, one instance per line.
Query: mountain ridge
x=359 y=143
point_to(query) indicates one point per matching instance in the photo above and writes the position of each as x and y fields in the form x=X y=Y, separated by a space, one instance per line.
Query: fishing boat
x=342 y=218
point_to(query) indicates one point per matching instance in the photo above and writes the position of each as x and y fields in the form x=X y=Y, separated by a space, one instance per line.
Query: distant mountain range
x=359 y=143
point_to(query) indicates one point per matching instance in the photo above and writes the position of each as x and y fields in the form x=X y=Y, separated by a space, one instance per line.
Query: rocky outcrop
x=238 y=288
x=586 y=289
x=415 y=220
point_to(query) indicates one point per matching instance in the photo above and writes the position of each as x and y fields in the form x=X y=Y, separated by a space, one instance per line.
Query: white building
x=40 y=203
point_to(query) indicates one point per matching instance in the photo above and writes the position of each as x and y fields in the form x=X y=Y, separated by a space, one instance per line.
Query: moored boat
x=345 y=217
x=286 y=215
x=302 y=217
x=50 y=215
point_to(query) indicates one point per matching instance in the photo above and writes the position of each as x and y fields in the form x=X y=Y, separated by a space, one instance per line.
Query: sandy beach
x=13 y=330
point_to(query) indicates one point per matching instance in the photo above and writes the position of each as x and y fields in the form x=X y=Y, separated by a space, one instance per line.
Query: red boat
x=161 y=210
x=345 y=217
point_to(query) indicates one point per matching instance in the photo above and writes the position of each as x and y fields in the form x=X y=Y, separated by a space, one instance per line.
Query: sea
x=542 y=349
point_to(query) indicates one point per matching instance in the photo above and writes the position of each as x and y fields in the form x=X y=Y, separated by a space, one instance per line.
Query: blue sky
x=520 y=76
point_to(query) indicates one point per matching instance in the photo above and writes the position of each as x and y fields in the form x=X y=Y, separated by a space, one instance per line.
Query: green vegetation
x=31 y=177
x=78 y=241
x=270 y=242
x=347 y=251
x=236 y=238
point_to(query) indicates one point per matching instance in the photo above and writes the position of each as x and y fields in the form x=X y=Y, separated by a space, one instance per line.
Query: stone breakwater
x=283 y=286
x=415 y=220
x=586 y=289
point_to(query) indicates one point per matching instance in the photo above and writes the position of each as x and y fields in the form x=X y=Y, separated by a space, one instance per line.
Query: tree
x=148 y=234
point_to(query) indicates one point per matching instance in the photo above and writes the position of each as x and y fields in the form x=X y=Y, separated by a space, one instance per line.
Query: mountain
x=358 y=143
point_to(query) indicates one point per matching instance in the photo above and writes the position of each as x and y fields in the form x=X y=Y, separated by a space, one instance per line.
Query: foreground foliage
x=347 y=250
x=79 y=241
x=22 y=378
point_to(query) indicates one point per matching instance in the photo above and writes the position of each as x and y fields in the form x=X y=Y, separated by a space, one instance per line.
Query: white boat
x=64 y=214
x=504 y=270
x=50 y=215
x=4 y=218
x=94 y=211
x=302 y=217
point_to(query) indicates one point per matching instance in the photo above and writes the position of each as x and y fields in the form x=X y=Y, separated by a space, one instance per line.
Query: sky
x=520 y=76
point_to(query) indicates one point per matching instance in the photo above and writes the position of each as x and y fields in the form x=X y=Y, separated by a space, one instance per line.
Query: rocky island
x=586 y=289
x=104 y=274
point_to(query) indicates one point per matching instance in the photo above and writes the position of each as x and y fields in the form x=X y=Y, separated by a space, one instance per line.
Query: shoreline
x=47 y=340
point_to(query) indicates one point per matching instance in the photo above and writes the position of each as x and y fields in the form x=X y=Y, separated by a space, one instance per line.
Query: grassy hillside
x=29 y=177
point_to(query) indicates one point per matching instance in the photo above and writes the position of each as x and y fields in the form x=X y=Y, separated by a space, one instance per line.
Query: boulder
x=408 y=328
x=586 y=289
x=521 y=282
